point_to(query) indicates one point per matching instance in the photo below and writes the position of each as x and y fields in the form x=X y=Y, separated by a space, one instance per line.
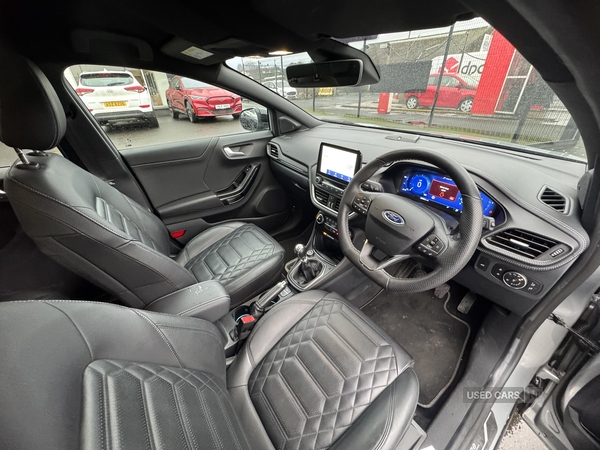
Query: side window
x=432 y=81
x=7 y=155
x=449 y=81
x=138 y=108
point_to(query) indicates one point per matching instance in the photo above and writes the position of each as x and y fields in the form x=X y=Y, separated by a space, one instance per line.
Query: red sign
x=452 y=65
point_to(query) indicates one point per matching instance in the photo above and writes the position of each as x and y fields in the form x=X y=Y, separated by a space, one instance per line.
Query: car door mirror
x=253 y=119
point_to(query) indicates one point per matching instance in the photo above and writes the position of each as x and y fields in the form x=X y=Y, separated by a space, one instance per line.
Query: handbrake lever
x=260 y=306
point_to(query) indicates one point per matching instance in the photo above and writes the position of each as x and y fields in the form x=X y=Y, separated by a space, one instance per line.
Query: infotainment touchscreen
x=338 y=163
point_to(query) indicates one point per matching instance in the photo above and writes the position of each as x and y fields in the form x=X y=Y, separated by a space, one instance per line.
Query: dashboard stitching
x=524 y=203
x=533 y=264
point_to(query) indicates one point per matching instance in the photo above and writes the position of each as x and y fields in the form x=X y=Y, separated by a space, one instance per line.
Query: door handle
x=232 y=154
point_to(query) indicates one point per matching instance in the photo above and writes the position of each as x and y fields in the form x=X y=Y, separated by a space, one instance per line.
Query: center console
x=319 y=261
x=335 y=168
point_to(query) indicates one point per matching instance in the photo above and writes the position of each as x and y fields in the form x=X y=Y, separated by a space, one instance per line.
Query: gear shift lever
x=301 y=251
x=306 y=268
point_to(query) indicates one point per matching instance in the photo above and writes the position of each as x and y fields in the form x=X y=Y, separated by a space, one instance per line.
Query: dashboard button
x=534 y=287
x=431 y=245
x=437 y=247
x=514 y=280
x=483 y=263
x=498 y=271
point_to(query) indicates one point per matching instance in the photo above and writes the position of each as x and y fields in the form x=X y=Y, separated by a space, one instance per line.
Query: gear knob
x=300 y=251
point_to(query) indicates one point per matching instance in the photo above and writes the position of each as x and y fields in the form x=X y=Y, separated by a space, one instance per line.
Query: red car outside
x=456 y=91
x=196 y=99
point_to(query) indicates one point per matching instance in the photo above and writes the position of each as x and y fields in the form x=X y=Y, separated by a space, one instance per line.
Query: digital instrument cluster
x=433 y=187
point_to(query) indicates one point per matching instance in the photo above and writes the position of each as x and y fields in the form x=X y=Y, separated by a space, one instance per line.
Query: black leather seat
x=90 y=227
x=315 y=373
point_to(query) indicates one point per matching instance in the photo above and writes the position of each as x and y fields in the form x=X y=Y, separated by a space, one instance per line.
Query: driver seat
x=314 y=373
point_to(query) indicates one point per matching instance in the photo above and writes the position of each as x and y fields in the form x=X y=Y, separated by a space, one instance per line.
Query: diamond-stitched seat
x=245 y=260
x=321 y=376
x=94 y=229
x=315 y=373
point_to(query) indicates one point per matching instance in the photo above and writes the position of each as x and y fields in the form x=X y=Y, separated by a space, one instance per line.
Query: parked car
x=455 y=92
x=116 y=97
x=288 y=92
x=197 y=99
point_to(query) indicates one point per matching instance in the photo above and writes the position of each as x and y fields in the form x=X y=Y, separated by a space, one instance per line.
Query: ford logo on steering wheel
x=393 y=217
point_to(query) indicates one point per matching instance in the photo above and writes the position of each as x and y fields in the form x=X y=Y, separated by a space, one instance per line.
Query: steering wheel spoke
x=367 y=260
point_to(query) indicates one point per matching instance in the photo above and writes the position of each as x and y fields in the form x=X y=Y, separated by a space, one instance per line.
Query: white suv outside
x=116 y=97
x=288 y=92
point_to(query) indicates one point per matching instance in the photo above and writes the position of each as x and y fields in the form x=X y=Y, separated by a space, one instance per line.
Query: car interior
x=293 y=282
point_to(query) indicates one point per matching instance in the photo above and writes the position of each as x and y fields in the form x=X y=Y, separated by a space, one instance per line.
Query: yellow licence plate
x=113 y=104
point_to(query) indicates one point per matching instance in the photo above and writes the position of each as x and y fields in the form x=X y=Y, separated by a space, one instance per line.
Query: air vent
x=327 y=200
x=553 y=199
x=321 y=196
x=273 y=151
x=524 y=243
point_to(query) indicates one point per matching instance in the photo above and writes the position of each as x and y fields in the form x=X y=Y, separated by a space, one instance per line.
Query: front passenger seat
x=99 y=233
x=315 y=373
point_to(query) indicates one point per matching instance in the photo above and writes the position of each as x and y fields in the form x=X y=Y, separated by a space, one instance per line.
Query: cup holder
x=240 y=311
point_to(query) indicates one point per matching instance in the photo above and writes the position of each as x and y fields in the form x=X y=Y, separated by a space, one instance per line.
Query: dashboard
x=527 y=242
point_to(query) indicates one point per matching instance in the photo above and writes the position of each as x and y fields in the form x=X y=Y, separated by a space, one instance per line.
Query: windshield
x=188 y=83
x=487 y=91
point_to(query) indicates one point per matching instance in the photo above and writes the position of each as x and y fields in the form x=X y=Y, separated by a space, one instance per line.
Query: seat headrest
x=31 y=116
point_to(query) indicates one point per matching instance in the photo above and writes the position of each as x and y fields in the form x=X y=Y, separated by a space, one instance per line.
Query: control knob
x=320 y=218
x=514 y=280
x=318 y=180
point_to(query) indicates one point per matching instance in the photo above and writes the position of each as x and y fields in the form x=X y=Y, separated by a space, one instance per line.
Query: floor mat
x=435 y=339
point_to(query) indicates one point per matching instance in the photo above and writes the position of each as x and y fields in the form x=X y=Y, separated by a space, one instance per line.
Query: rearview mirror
x=347 y=72
x=253 y=119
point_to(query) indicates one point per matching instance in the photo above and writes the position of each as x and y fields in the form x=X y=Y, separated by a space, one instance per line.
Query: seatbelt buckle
x=244 y=326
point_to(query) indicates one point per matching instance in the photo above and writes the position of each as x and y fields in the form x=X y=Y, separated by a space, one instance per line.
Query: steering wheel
x=402 y=228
